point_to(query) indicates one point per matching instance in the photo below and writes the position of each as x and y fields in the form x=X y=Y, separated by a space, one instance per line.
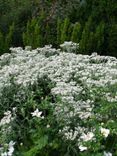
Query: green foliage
x=99 y=37
x=32 y=36
x=6 y=40
x=76 y=34
x=85 y=36
x=58 y=31
x=1 y=43
x=58 y=127
x=91 y=43
x=112 y=47
x=59 y=21
x=9 y=36
x=64 y=30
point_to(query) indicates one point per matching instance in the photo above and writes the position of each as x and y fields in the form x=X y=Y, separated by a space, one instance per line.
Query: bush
x=57 y=103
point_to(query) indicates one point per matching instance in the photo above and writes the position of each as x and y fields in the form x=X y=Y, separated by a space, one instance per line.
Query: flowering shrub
x=57 y=103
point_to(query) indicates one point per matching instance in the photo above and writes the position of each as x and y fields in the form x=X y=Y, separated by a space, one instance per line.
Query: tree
x=64 y=30
x=32 y=36
x=112 y=41
x=37 y=42
x=9 y=36
x=91 y=43
x=76 y=33
x=59 y=31
x=6 y=40
x=85 y=36
x=99 y=37
x=1 y=43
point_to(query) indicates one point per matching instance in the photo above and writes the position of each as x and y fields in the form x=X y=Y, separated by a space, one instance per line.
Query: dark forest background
x=91 y=23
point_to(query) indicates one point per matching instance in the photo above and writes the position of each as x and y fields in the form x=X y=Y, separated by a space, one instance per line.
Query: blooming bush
x=57 y=103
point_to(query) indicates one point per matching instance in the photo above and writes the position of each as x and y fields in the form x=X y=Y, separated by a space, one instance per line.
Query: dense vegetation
x=92 y=23
x=57 y=103
x=58 y=87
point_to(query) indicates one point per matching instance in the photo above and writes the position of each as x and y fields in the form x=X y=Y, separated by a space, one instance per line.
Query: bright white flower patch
x=37 y=113
x=79 y=80
x=87 y=137
x=10 y=149
x=107 y=154
x=7 y=118
x=105 y=132
x=82 y=148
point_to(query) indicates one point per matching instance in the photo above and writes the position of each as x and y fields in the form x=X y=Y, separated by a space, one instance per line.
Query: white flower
x=82 y=148
x=11 y=148
x=107 y=154
x=105 y=132
x=4 y=154
x=11 y=143
x=37 y=113
x=48 y=126
x=6 y=119
x=87 y=137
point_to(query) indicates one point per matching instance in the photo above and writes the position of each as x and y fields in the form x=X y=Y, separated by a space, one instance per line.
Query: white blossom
x=6 y=119
x=87 y=137
x=107 y=154
x=37 y=113
x=105 y=132
x=82 y=148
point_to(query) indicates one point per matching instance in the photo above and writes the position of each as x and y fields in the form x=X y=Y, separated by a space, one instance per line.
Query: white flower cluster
x=73 y=75
x=70 y=47
x=6 y=119
x=105 y=132
x=10 y=149
x=87 y=137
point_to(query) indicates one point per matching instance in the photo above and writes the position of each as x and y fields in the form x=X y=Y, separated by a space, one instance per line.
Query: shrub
x=57 y=103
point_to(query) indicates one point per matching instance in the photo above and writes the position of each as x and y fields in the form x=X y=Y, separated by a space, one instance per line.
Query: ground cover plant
x=57 y=102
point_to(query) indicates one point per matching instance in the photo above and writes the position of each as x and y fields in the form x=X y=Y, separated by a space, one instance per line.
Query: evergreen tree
x=64 y=30
x=9 y=36
x=26 y=35
x=58 y=31
x=48 y=37
x=32 y=36
x=76 y=34
x=85 y=36
x=1 y=43
x=90 y=43
x=99 y=37
x=112 y=41
x=6 y=40
x=37 y=42
x=70 y=30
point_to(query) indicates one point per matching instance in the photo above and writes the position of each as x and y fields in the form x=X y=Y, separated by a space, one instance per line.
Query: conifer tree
x=76 y=34
x=59 y=31
x=6 y=40
x=99 y=37
x=64 y=30
x=112 y=40
x=9 y=36
x=85 y=36
x=32 y=36
x=1 y=43
x=48 y=38
x=90 y=43
x=70 y=30
x=37 y=39
x=26 y=35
